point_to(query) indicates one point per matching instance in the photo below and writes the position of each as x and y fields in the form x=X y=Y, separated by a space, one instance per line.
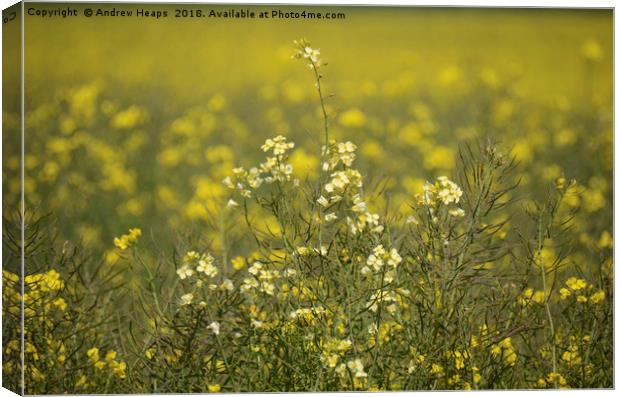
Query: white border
x=470 y=3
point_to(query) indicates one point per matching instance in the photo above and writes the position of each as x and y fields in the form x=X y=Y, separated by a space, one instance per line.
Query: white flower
x=255 y=268
x=341 y=370
x=268 y=288
x=458 y=212
x=205 y=265
x=359 y=206
x=357 y=368
x=412 y=220
x=228 y=183
x=374 y=262
x=302 y=251
x=346 y=147
x=191 y=257
x=215 y=327
x=322 y=250
x=232 y=204
x=444 y=191
x=184 y=272
x=331 y=217
x=248 y=284
x=278 y=145
x=394 y=259
x=187 y=299
x=323 y=201
x=227 y=285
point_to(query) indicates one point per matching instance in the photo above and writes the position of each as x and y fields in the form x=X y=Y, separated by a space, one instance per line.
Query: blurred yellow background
x=134 y=122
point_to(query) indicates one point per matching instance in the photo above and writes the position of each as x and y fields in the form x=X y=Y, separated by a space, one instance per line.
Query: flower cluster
x=346 y=183
x=577 y=287
x=303 y=251
x=529 y=295
x=445 y=193
x=306 y=52
x=117 y=367
x=308 y=316
x=44 y=282
x=505 y=350
x=552 y=379
x=194 y=262
x=127 y=240
x=340 y=181
x=333 y=350
x=338 y=152
x=277 y=145
x=393 y=299
x=378 y=335
x=263 y=279
x=379 y=258
x=356 y=368
x=275 y=168
x=364 y=221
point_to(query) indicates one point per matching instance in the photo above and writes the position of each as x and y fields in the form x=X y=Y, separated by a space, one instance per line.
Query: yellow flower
x=127 y=240
x=459 y=360
x=100 y=364
x=436 y=369
x=8 y=276
x=81 y=382
x=118 y=368
x=554 y=377
x=110 y=356
x=476 y=374
x=93 y=354
x=214 y=388
x=564 y=293
x=606 y=241
x=220 y=366
x=505 y=350
x=571 y=356
x=238 y=263
x=597 y=297
x=539 y=297
x=576 y=284
x=60 y=304
x=582 y=299
x=51 y=281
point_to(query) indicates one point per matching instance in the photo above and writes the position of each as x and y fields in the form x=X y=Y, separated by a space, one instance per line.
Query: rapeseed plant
x=313 y=279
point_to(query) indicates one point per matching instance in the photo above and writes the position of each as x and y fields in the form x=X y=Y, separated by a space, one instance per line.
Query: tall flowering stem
x=304 y=51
